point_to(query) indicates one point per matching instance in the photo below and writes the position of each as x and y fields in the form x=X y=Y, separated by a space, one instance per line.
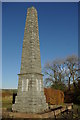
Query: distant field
x=7 y=96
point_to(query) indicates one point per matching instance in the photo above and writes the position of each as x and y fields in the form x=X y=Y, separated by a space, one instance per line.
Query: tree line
x=62 y=74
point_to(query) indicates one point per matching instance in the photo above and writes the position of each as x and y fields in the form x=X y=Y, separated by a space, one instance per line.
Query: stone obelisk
x=30 y=97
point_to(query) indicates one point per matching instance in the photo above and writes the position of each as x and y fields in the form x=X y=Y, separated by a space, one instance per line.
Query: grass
x=7 y=102
x=76 y=110
x=76 y=107
x=73 y=114
x=7 y=98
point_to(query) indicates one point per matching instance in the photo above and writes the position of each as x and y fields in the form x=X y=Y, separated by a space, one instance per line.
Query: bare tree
x=71 y=63
x=61 y=71
x=54 y=73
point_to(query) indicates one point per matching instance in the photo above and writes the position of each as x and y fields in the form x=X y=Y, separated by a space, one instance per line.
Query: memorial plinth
x=30 y=97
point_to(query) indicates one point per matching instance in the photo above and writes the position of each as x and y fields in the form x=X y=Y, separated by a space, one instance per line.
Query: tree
x=71 y=64
x=54 y=74
x=61 y=72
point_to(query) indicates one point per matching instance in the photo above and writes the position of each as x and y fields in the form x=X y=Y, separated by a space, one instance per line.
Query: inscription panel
x=25 y=85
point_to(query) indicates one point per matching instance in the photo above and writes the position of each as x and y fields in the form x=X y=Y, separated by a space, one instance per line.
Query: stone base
x=34 y=104
x=48 y=114
x=30 y=97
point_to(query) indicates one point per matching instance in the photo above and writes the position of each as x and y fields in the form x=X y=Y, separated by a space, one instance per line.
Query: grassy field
x=7 y=97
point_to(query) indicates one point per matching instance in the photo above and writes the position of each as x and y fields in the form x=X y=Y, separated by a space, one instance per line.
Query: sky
x=58 y=35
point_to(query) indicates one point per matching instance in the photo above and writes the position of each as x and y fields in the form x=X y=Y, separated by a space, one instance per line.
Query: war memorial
x=30 y=96
x=32 y=99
